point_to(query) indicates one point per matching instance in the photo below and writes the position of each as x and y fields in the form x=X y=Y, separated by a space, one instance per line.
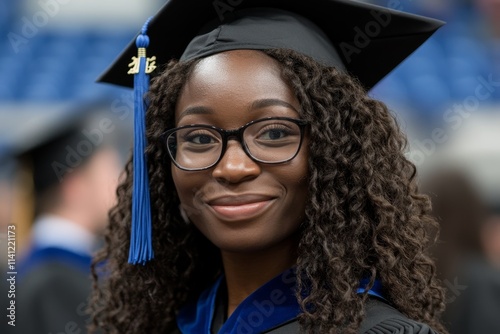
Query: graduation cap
x=364 y=40
x=61 y=141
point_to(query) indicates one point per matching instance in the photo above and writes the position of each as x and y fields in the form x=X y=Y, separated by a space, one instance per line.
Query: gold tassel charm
x=136 y=62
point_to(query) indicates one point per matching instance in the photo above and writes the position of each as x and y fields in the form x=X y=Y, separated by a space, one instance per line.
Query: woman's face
x=241 y=205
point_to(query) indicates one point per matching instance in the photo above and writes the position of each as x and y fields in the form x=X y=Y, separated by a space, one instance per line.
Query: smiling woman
x=281 y=200
x=253 y=184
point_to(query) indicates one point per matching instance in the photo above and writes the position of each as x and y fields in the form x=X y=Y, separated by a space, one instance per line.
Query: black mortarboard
x=61 y=142
x=368 y=40
x=365 y=40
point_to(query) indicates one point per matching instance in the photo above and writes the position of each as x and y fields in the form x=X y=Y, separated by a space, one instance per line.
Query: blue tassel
x=141 y=246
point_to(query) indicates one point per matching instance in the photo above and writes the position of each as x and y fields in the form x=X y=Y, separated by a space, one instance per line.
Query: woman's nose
x=235 y=165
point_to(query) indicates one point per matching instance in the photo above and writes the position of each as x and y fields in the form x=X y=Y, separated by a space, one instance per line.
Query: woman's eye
x=273 y=132
x=200 y=138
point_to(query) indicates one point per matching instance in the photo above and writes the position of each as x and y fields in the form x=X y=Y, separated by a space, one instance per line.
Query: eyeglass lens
x=268 y=141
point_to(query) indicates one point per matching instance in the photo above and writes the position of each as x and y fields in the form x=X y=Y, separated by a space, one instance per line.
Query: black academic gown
x=53 y=292
x=54 y=282
x=273 y=308
x=380 y=319
x=474 y=298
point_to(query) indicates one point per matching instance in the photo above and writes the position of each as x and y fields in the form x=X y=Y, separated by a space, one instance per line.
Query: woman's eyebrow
x=257 y=104
x=263 y=103
x=196 y=110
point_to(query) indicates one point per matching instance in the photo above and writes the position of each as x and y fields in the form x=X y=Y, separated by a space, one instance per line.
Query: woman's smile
x=241 y=206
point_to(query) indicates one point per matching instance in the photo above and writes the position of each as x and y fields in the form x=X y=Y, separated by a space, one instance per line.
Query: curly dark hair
x=364 y=216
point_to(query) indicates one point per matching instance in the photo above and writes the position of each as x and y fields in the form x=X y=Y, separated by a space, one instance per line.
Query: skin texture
x=228 y=88
x=363 y=216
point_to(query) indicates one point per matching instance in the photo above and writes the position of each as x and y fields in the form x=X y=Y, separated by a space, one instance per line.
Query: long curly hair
x=364 y=216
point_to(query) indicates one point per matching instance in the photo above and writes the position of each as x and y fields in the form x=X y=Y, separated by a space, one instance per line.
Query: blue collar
x=376 y=290
x=269 y=306
x=38 y=256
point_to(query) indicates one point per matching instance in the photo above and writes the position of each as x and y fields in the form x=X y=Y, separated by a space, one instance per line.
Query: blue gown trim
x=376 y=290
x=269 y=306
x=42 y=255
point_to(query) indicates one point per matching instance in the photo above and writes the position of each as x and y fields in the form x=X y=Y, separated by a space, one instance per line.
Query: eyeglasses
x=270 y=140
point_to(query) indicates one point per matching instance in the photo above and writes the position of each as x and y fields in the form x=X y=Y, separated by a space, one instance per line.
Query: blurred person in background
x=467 y=255
x=489 y=33
x=461 y=213
x=75 y=171
x=490 y=237
x=464 y=184
x=490 y=10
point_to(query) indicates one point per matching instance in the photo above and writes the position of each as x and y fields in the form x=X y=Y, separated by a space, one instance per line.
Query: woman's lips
x=240 y=207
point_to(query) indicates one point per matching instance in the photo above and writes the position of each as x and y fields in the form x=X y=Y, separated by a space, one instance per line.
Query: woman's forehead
x=228 y=65
x=234 y=81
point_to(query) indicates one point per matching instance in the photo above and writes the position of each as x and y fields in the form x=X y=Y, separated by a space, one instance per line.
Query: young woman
x=281 y=203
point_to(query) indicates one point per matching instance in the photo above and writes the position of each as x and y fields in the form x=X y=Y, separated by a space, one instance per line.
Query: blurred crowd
x=446 y=97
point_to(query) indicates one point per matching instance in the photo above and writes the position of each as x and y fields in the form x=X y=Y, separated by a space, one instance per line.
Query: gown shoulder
x=382 y=318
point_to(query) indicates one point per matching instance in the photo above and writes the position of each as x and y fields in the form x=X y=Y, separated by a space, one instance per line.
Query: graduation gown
x=474 y=298
x=54 y=281
x=273 y=308
x=53 y=292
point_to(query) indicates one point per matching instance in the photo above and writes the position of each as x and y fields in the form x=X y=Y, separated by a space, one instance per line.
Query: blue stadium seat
x=59 y=65
x=420 y=64
x=42 y=92
x=463 y=87
x=471 y=51
x=430 y=94
x=392 y=90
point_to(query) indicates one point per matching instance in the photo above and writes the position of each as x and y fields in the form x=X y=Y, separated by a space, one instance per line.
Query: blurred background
x=52 y=53
x=63 y=142
x=446 y=97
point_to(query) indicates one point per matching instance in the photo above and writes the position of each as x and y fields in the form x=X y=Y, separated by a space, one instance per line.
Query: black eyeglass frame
x=238 y=134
